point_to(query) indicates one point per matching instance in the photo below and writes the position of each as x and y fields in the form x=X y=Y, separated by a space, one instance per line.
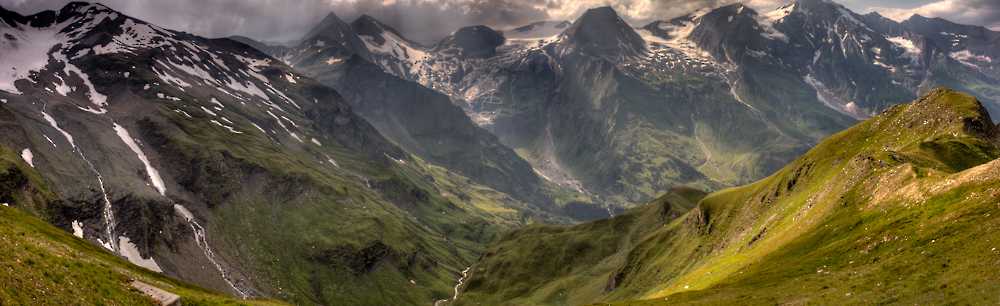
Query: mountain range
x=214 y=163
x=711 y=99
x=356 y=166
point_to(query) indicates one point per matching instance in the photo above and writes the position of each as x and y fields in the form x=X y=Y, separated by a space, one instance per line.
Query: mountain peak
x=367 y=18
x=967 y=108
x=333 y=32
x=811 y=3
x=331 y=25
x=475 y=41
x=48 y=17
x=941 y=111
x=604 y=12
x=601 y=32
x=917 y=17
x=822 y=6
x=367 y=25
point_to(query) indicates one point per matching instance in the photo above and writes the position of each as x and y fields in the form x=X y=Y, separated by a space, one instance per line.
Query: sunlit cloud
x=430 y=20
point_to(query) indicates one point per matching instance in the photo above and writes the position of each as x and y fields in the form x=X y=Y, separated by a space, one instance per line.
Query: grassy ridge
x=901 y=202
x=44 y=264
x=530 y=265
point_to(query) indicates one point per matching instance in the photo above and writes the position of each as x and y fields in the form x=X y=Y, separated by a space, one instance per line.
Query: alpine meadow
x=500 y=152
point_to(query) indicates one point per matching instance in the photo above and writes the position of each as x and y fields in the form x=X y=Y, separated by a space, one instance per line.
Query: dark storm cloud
x=429 y=20
x=284 y=20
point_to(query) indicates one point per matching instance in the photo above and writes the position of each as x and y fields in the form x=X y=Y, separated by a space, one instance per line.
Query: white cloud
x=429 y=20
x=978 y=12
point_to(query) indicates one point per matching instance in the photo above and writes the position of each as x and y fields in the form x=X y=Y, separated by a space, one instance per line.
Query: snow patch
x=134 y=36
x=28 y=157
x=96 y=98
x=77 y=228
x=170 y=79
x=182 y=112
x=27 y=52
x=334 y=61
x=154 y=176
x=216 y=102
x=780 y=13
x=968 y=58
x=296 y=136
x=259 y=128
x=62 y=88
x=397 y=160
x=210 y=112
x=131 y=252
x=166 y=97
x=52 y=122
x=910 y=49
x=229 y=128
x=677 y=37
x=331 y=161
x=50 y=141
x=828 y=98
x=768 y=30
x=396 y=47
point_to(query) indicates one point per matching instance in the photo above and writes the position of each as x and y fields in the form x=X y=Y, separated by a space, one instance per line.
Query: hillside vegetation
x=901 y=208
x=44 y=264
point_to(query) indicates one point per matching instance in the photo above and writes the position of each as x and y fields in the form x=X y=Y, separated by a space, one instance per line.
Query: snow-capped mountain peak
x=89 y=85
x=383 y=41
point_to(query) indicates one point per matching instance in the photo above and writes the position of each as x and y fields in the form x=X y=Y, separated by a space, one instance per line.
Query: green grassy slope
x=540 y=263
x=42 y=264
x=897 y=209
x=359 y=233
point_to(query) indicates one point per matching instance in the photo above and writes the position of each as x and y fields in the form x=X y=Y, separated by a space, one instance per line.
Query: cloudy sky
x=429 y=20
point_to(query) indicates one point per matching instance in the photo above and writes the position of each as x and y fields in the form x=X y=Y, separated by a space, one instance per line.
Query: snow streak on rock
x=154 y=175
x=109 y=215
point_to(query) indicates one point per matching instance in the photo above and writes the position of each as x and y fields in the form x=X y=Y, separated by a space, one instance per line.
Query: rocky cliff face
x=422 y=121
x=217 y=164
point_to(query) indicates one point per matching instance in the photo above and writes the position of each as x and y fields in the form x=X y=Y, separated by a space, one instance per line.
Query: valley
x=807 y=154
